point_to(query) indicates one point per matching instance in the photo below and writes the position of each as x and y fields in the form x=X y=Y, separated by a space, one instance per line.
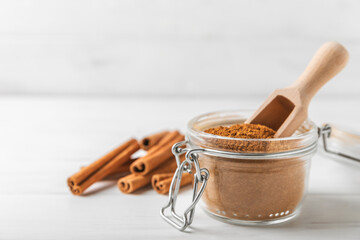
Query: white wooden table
x=44 y=140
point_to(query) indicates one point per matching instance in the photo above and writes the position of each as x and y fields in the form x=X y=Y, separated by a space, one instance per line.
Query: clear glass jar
x=253 y=181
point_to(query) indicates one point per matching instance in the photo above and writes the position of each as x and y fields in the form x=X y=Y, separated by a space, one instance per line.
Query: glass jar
x=264 y=187
x=248 y=181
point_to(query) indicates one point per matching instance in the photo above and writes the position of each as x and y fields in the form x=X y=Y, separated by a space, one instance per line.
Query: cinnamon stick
x=115 y=173
x=101 y=168
x=161 y=182
x=120 y=169
x=119 y=172
x=148 y=142
x=134 y=182
x=156 y=155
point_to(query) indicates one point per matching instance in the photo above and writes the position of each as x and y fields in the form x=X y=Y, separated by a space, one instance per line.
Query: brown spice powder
x=254 y=135
x=252 y=189
x=243 y=130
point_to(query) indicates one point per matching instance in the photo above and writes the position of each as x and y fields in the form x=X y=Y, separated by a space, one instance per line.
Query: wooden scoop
x=286 y=109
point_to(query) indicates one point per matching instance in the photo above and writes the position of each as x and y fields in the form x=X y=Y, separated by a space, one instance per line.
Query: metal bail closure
x=181 y=222
x=328 y=132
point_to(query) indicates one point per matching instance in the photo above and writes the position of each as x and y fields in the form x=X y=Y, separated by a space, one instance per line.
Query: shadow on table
x=318 y=212
x=99 y=187
x=324 y=211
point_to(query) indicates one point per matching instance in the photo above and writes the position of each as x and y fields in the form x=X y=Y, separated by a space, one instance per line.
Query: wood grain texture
x=140 y=47
x=44 y=140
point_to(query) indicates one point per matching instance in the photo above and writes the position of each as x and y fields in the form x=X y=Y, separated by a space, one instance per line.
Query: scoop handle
x=328 y=61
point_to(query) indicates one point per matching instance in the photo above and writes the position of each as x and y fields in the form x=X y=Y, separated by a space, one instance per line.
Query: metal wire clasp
x=181 y=222
x=325 y=132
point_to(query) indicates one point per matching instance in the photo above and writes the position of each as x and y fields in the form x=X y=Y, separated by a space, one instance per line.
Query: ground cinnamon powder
x=243 y=130
x=251 y=133
x=252 y=189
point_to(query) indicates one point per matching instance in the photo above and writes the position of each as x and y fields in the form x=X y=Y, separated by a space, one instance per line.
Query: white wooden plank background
x=62 y=62
x=45 y=139
x=142 y=47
